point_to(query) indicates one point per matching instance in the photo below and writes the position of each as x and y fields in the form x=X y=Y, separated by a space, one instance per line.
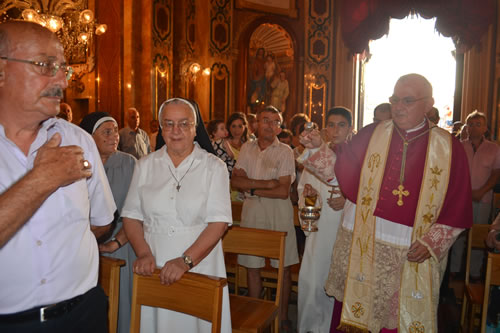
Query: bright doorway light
x=412 y=46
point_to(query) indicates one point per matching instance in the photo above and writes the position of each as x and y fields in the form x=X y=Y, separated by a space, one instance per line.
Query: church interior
x=128 y=53
x=140 y=53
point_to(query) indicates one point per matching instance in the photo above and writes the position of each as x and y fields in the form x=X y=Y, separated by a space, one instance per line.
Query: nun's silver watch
x=188 y=261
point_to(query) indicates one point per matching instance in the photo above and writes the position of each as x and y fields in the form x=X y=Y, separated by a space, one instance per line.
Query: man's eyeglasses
x=407 y=101
x=275 y=123
x=183 y=125
x=47 y=68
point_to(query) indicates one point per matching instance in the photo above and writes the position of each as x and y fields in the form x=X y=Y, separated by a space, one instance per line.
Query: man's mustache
x=53 y=92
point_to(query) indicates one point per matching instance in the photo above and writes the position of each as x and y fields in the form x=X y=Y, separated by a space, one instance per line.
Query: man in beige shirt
x=264 y=171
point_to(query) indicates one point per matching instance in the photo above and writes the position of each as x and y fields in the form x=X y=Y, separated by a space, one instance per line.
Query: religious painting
x=283 y=7
x=269 y=68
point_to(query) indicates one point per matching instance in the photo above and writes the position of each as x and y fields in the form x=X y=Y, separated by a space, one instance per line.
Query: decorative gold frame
x=161 y=77
x=319 y=87
x=260 y=5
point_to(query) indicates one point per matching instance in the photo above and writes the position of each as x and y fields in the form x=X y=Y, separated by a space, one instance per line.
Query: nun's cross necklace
x=178 y=187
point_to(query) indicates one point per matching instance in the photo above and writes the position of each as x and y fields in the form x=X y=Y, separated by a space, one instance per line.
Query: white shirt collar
x=419 y=126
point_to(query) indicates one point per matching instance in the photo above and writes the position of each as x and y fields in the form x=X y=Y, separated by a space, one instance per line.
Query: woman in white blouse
x=176 y=211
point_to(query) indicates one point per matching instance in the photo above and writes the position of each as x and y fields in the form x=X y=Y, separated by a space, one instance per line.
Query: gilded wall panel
x=190 y=28
x=161 y=52
x=220 y=28
x=318 y=60
x=219 y=91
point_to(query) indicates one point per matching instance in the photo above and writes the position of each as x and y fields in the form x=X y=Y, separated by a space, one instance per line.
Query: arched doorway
x=411 y=46
x=259 y=81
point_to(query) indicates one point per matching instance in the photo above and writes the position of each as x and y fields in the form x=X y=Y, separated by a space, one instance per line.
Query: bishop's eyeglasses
x=406 y=101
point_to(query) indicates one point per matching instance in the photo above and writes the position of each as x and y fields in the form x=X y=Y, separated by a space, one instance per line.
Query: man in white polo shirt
x=54 y=194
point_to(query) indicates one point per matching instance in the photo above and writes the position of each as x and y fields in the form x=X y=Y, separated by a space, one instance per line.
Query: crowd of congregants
x=396 y=199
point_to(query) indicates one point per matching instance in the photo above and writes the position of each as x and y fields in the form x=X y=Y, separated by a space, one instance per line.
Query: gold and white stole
x=417 y=313
x=357 y=302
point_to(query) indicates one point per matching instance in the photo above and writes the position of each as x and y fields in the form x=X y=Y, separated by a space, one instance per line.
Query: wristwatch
x=188 y=261
x=117 y=242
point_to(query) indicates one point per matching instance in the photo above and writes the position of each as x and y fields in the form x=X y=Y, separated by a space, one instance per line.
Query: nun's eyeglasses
x=183 y=125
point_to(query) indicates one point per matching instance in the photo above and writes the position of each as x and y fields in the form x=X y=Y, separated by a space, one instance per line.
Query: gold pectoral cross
x=400 y=192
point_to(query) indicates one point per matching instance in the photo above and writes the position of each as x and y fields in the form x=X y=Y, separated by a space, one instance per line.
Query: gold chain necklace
x=178 y=187
x=400 y=191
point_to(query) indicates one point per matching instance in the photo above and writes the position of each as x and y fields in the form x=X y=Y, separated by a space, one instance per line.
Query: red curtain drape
x=463 y=20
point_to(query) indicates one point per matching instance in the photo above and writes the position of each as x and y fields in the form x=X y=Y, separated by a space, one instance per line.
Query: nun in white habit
x=176 y=212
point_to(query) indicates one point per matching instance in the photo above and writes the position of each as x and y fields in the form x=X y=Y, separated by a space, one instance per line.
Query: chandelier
x=70 y=20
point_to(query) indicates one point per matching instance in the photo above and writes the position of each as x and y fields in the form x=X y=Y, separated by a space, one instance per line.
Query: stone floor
x=292 y=310
x=448 y=312
x=448 y=315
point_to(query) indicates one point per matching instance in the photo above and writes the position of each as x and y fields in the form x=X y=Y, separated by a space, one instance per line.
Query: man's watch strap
x=188 y=261
x=114 y=239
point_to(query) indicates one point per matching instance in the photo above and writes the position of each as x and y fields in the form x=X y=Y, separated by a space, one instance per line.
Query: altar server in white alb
x=314 y=305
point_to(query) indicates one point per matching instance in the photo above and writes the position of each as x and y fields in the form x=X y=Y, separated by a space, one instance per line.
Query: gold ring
x=86 y=164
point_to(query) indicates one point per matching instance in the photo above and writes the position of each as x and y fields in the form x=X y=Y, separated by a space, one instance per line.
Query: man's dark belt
x=42 y=313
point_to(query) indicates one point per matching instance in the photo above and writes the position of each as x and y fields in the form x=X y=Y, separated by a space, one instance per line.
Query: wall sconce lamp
x=206 y=71
x=194 y=69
